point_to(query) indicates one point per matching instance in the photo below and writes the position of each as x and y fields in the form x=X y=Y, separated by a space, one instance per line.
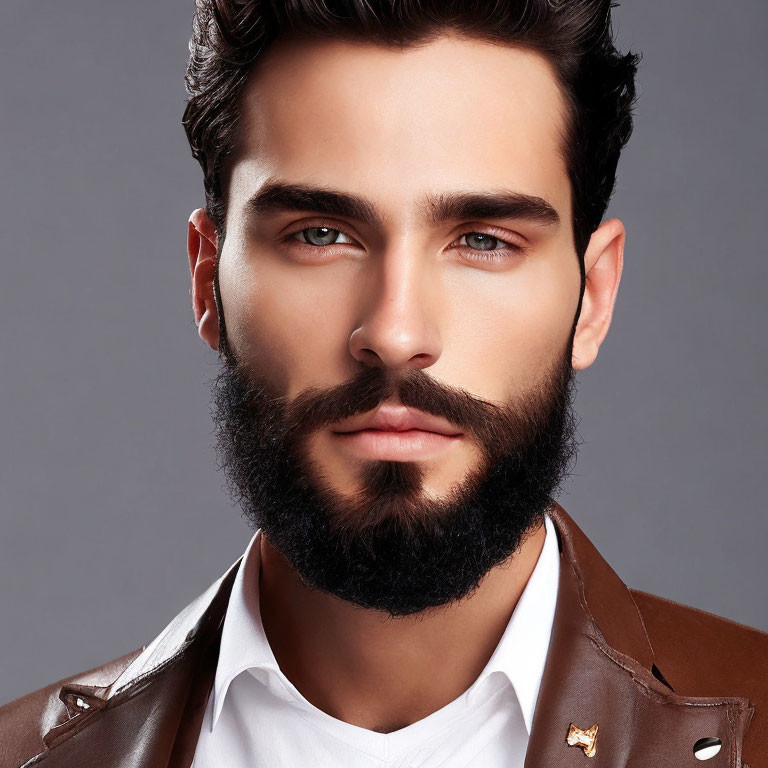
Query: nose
x=399 y=326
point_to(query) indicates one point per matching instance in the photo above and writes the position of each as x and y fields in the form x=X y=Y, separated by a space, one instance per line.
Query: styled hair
x=597 y=82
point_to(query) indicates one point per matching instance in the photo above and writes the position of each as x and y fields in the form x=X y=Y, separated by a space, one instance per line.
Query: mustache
x=497 y=428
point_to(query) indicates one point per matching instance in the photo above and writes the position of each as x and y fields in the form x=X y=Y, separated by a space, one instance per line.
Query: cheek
x=513 y=329
x=290 y=327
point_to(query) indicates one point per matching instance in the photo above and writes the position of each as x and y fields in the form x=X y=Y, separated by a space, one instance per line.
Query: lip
x=395 y=445
x=398 y=418
x=396 y=433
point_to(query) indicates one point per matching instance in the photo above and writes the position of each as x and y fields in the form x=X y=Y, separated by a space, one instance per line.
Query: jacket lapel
x=150 y=716
x=600 y=671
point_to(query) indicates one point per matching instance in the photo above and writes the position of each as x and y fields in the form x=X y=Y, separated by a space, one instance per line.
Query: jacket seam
x=670 y=698
x=585 y=606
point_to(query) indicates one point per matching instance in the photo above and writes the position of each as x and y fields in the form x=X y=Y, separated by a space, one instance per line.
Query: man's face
x=394 y=128
x=456 y=267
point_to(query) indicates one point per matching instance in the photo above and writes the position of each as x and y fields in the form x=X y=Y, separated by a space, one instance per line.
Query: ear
x=202 y=249
x=603 y=262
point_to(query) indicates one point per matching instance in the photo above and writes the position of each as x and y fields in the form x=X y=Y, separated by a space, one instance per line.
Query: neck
x=368 y=669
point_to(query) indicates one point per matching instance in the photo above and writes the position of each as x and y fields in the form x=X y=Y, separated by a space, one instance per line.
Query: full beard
x=389 y=547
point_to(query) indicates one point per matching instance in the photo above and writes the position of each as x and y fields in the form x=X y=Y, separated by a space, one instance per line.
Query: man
x=402 y=261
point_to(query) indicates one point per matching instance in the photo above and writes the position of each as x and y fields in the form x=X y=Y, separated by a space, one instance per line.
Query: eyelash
x=479 y=255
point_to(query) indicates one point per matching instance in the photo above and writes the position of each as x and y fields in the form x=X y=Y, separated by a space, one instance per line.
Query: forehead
x=397 y=124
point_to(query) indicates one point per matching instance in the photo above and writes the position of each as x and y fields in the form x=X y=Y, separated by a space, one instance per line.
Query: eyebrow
x=277 y=196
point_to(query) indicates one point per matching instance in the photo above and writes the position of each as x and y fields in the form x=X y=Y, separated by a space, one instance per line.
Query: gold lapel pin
x=587 y=739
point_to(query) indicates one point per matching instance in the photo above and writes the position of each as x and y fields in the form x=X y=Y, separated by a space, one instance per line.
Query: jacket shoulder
x=25 y=721
x=702 y=654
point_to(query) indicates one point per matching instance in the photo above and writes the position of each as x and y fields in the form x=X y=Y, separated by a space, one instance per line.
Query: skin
x=454 y=115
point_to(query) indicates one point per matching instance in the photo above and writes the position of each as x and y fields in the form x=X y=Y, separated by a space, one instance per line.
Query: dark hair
x=575 y=35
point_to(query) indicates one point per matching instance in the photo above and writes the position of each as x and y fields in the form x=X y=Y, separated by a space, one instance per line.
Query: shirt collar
x=522 y=651
x=520 y=654
x=244 y=643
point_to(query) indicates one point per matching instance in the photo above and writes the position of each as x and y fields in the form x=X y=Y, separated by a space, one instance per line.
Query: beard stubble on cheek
x=388 y=546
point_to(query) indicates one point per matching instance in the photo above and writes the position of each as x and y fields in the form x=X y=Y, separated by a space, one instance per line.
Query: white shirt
x=256 y=718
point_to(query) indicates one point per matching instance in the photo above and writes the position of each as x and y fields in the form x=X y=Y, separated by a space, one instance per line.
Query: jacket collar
x=202 y=617
x=600 y=671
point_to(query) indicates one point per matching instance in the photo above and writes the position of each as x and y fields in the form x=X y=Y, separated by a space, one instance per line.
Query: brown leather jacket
x=653 y=675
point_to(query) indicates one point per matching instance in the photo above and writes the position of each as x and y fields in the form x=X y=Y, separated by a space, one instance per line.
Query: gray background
x=113 y=514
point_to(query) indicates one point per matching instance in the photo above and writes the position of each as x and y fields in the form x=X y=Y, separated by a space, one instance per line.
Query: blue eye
x=320 y=236
x=479 y=241
x=484 y=247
